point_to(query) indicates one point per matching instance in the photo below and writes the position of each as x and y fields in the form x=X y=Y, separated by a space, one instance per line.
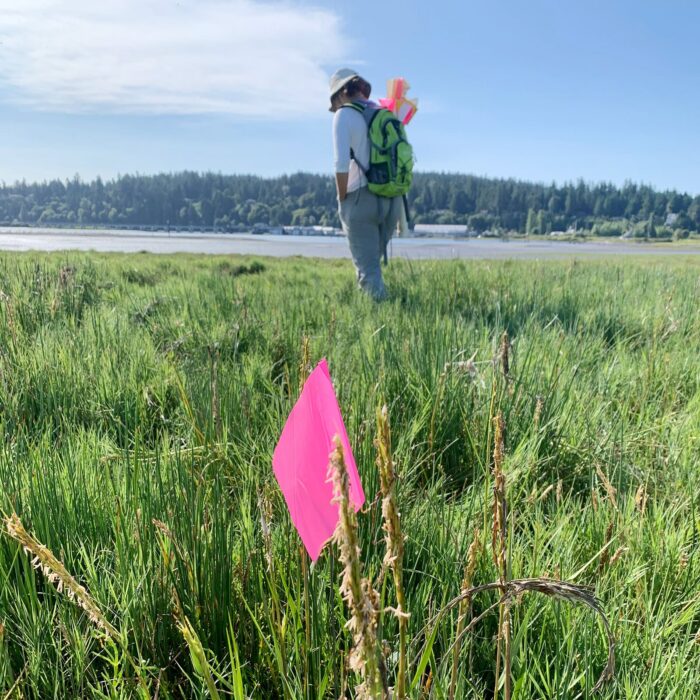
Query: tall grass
x=141 y=398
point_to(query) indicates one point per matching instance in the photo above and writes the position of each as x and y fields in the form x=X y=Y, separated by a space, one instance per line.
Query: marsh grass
x=140 y=401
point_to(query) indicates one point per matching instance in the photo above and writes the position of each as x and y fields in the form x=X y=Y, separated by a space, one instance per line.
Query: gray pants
x=369 y=222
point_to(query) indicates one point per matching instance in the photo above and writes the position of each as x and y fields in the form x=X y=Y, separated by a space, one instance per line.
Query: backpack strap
x=357 y=106
x=368 y=114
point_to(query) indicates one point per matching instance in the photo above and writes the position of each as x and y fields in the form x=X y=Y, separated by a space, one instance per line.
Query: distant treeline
x=232 y=202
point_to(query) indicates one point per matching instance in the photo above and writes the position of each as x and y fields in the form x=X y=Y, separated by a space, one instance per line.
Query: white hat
x=341 y=78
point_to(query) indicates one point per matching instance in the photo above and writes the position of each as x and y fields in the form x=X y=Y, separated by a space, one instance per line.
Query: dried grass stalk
x=514 y=589
x=640 y=498
x=465 y=608
x=504 y=356
x=610 y=490
x=393 y=537
x=305 y=367
x=537 y=417
x=358 y=593
x=53 y=569
x=499 y=544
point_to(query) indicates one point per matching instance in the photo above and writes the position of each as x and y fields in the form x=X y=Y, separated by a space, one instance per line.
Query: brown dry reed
x=504 y=355
x=393 y=537
x=358 y=593
x=610 y=490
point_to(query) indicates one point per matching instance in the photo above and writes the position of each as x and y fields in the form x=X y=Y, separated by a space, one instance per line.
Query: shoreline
x=325 y=246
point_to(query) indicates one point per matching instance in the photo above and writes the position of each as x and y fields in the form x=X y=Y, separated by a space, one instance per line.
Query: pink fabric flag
x=301 y=458
x=396 y=100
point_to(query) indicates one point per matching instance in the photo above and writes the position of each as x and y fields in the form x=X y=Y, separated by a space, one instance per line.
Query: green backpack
x=390 y=169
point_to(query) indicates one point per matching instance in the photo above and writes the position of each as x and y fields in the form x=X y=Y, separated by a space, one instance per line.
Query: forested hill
x=233 y=202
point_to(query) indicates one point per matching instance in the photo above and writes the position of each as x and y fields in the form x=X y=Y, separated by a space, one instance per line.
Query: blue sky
x=538 y=90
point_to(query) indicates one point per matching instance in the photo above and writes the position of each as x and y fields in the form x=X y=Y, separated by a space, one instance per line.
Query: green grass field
x=141 y=398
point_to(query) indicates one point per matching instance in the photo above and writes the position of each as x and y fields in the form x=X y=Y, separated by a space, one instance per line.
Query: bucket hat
x=340 y=79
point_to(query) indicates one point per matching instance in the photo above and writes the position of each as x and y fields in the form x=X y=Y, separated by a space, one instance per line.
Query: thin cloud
x=243 y=57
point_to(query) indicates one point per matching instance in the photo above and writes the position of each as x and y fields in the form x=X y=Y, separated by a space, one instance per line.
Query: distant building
x=442 y=230
x=311 y=231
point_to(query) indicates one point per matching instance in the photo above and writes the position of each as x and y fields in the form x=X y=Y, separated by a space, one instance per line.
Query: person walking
x=367 y=219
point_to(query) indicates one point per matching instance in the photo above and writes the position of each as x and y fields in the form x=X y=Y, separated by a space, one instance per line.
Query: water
x=46 y=239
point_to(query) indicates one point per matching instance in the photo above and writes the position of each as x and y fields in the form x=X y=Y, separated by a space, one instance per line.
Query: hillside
x=236 y=202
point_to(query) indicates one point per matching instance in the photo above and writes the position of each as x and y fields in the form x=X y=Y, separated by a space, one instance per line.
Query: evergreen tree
x=651 y=228
x=531 y=227
x=215 y=200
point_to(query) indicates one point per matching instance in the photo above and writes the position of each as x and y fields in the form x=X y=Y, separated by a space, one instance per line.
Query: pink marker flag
x=396 y=100
x=301 y=458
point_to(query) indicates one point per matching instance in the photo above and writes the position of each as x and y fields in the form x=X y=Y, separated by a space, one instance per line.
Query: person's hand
x=341 y=185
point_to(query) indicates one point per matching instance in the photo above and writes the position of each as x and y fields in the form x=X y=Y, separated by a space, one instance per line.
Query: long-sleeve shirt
x=350 y=132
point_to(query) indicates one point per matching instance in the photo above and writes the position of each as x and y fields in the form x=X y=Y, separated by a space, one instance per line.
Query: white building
x=446 y=230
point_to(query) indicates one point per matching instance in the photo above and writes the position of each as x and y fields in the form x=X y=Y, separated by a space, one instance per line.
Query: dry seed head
x=305 y=367
x=472 y=560
x=466 y=367
x=428 y=684
x=539 y=405
x=387 y=477
x=500 y=513
x=609 y=488
x=504 y=355
x=266 y=512
x=546 y=492
x=358 y=593
x=65 y=275
x=499 y=447
x=394 y=538
x=640 y=499
x=619 y=552
x=43 y=560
